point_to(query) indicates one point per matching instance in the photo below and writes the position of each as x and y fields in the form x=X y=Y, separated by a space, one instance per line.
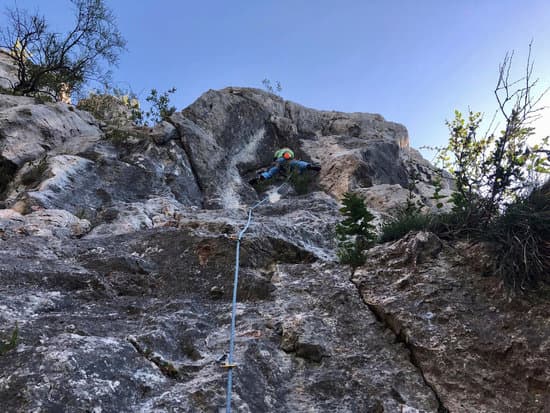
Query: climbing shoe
x=314 y=167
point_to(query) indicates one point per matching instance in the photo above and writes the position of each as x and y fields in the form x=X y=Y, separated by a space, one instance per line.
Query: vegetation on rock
x=160 y=106
x=355 y=233
x=12 y=343
x=499 y=196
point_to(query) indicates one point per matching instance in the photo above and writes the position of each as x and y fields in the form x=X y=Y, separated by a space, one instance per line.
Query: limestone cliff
x=117 y=259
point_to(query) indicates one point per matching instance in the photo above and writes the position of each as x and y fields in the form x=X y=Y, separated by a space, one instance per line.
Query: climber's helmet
x=285 y=153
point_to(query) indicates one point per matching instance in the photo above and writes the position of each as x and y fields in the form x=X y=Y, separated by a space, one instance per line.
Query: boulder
x=56 y=223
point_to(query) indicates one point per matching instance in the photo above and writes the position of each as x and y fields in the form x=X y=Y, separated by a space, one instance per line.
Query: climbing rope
x=229 y=364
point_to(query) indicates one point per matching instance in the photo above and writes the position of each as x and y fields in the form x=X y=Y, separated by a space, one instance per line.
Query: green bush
x=491 y=170
x=303 y=183
x=12 y=343
x=116 y=108
x=123 y=135
x=493 y=173
x=410 y=216
x=399 y=226
x=272 y=88
x=355 y=233
x=447 y=225
x=160 y=109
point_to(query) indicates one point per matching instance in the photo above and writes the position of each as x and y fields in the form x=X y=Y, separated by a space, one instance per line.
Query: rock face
x=117 y=255
x=479 y=351
x=8 y=72
x=66 y=162
x=231 y=133
x=132 y=324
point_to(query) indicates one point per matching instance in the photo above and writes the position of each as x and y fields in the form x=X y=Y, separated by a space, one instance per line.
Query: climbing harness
x=229 y=364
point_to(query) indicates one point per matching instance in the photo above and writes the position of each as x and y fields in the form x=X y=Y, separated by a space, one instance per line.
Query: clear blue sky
x=413 y=62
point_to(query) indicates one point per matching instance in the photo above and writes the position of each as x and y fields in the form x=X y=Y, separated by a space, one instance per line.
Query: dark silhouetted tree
x=55 y=64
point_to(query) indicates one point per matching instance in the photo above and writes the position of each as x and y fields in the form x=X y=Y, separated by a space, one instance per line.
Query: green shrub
x=493 y=169
x=116 y=107
x=160 y=109
x=303 y=183
x=42 y=98
x=355 y=233
x=275 y=89
x=12 y=343
x=410 y=216
x=123 y=135
x=117 y=135
x=399 y=226
x=493 y=173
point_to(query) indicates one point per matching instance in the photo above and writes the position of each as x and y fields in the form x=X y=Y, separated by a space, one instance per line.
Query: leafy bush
x=123 y=135
x=275 y=89
x=494 y=174
x=410 y=216
x=303 y=183
x=160 y=109
x=355 y=233
x=122 y=108
x=399 y=226
x=115 y=107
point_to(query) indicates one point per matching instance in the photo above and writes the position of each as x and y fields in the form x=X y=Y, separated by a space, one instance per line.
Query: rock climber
x=283 y=160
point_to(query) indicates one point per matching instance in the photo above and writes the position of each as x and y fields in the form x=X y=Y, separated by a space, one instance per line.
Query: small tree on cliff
x=491 y=171
x=355 y=233
x=498 y=194
x=50 y=63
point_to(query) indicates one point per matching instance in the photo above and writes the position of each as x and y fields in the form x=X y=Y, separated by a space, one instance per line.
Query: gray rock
x=231 y=133
x=8 y=72
x=115 y=175
x=29 y=131
x=117 y=259
x=43 y=222
x=164 y=132
x=467 y=338
x=128 y=323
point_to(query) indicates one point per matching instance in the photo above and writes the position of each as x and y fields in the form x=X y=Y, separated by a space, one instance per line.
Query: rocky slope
x=117 y=258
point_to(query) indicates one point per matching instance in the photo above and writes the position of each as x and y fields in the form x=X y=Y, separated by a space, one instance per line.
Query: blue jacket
x=281 y=164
